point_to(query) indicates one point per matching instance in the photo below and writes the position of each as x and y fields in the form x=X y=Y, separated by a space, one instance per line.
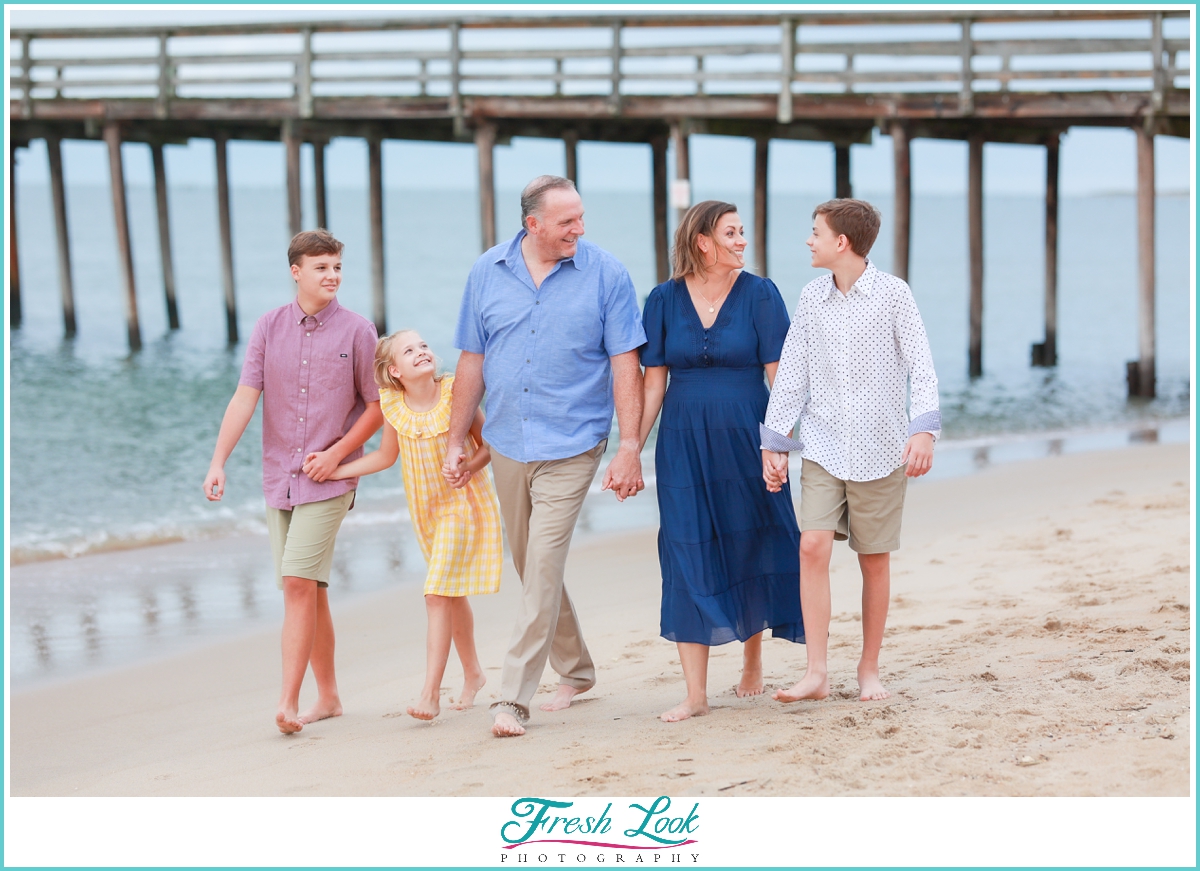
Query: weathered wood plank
x=58 y=197
x=225 y=233
x=112 y=136
x=1145 y=381
x=164 y=233
x=902 y=200
x=375 y=185
x=975 y=243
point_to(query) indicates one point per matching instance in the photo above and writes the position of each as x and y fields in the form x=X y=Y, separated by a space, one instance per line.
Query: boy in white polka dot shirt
x=854 y=345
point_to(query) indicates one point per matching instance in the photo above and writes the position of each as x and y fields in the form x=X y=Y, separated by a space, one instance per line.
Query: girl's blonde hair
x=700 y=220
x=383 y=359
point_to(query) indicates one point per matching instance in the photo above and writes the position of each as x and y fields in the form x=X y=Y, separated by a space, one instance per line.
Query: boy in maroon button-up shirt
x=312 y=362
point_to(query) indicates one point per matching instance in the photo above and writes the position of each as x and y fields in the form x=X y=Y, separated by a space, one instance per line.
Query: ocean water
x=108 y=448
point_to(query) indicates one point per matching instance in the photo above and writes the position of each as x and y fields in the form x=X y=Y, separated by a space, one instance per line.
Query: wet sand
x=1038 y=644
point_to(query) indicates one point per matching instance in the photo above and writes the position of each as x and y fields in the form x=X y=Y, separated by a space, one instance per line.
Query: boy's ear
x=295 y=272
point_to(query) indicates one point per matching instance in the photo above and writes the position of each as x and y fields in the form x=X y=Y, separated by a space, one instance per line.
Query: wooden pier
x=974 y=75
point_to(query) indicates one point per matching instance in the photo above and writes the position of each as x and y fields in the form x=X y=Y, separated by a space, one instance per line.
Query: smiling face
x=726 y=247
x=318 y=277
x=826 y=245
x=557 y=225
x=411 y=358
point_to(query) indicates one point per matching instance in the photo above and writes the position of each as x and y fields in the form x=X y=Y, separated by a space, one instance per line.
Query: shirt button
x=539 y=302
x=302 y=420
x=307 y=334
x=304 y=390
x=526 y=361
x=526 y=389
x=297 y=450
x=305 y=362
x=293 y=476
x=533 y=331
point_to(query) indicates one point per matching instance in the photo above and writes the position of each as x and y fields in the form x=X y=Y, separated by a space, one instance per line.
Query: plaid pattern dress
x=458 y=530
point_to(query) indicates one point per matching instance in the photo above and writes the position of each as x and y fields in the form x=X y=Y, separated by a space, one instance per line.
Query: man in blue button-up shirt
x=550 y=325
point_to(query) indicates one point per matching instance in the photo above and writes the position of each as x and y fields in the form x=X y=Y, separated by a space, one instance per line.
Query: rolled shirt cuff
x=930 y=422
x=773 y=441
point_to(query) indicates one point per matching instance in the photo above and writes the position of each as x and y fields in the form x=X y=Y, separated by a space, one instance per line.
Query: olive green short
x=866 y=512
x=302 y=539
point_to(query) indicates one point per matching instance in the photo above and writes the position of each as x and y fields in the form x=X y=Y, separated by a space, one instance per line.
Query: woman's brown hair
x=700 y=219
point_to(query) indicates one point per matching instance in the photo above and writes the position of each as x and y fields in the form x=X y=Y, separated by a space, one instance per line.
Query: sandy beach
x=1039 y=644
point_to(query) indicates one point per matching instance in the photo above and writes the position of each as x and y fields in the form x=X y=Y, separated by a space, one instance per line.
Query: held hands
x=775 y=470
x=454 y=469
x=322 y=466
x=214 y=484
x=918 y=453
x=624 y=474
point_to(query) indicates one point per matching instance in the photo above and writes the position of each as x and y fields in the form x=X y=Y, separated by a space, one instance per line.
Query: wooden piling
x=658 y=158
x=975 y=233
x=291 y=146
x=1046 y=352
x=485 y=143
x=225 y=226
x=841 y=172
x=164 y=233
x=681 y=195
x=319 y=182
x=375 y=184
x=14 y=271
x=571 y=146
x=1142 y=380
x=112 y=136
x=762 y=147
x=903 y=201
x=58 y=196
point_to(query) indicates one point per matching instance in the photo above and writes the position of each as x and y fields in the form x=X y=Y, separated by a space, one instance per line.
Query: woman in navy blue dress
x=729 y=550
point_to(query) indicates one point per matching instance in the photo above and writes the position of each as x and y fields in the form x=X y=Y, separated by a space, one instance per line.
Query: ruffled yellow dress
x=458 y=530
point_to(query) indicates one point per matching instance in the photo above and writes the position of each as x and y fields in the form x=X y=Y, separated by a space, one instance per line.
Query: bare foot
x=506 y=726
x=751 y=683
x=808 y=687
x=562 y=698
x=425 y=709
x=871 y=689
x=471 y=686
x=321 y=710
x=288 y=722
x=683 y=711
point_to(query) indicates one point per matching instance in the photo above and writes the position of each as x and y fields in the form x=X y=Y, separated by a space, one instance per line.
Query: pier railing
x=445 y=61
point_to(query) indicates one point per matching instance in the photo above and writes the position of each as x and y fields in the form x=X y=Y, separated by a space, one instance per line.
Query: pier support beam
x=319 y=182
x=903 y=201
x=1045 y=353
x=761 y=149
x=58 y=196
x=571 y=146
x=375 y=185
x=14 y=271
x=1141 y=373
x=681 y=189
x=112 y=136
x=658 y=158
x=841 y=172
x=225 y=227
x=164 y=233
x=975 y=235
x=291 y=147
x=485 y=144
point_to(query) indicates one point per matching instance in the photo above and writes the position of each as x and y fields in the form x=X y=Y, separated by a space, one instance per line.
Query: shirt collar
x=511 y=254
x=298 y=314
x=865 y=283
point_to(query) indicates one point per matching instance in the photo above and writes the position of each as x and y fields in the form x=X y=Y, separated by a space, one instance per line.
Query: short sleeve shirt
x=316 y=375
x=546 y=349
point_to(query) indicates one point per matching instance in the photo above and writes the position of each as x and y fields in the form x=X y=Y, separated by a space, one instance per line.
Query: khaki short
x=866 y=512
x=302 y=539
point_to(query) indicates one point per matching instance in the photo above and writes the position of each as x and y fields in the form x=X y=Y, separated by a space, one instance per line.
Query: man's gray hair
x=535 y=192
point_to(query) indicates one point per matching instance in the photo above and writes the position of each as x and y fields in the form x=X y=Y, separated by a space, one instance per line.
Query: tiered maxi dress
x=458 y=530
x=729 y=549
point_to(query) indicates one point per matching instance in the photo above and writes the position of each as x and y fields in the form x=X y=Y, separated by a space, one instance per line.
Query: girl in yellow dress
x=458 y=528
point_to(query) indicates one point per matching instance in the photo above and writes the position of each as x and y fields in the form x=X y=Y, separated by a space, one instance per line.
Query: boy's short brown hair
x=312 y=243
x=857 y=220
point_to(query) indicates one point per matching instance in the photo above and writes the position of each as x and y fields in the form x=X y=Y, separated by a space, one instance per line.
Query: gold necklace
x=712 y=306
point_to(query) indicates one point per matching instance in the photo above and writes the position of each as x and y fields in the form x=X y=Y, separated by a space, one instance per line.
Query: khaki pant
x=540 y=503
x=866 y=512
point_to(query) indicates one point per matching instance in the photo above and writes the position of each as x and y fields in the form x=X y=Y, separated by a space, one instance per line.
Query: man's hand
x=454 y=467
x=214 y=484
x=775 y=470
x=624 y=474
x=321 y=465
x=918 y=453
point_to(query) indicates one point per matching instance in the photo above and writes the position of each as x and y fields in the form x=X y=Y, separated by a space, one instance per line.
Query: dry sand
x=1039 y=643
